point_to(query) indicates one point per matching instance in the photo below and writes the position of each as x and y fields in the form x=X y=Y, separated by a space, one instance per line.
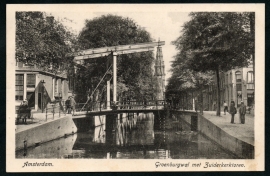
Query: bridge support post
x=108 y=94
x=114 y=76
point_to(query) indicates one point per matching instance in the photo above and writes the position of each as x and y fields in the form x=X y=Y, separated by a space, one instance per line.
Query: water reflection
x=132 y=136
x=60 y=148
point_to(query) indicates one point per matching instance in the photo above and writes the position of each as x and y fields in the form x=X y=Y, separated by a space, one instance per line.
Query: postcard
x=135 y=87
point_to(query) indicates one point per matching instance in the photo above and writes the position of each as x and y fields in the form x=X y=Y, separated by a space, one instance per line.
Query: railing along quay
x=55 y=111
x=51 y=111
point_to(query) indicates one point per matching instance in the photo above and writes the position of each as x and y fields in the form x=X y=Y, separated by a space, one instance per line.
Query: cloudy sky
x=161 y=21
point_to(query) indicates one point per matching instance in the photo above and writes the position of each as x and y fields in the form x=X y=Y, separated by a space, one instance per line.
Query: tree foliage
x=215 y=42
x=184 y=79
x=211 y=41
x=43 y=41
x=134 y=72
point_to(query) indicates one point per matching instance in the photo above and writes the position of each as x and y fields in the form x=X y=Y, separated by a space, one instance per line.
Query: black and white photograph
x=135 y=87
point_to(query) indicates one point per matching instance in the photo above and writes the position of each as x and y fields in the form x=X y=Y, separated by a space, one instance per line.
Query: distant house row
x=39 y=87
x=235 y=85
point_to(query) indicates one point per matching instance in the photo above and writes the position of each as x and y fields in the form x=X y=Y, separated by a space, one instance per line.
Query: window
x=55 y=86
x=61 y=86
x=238 y=76
x=19 y=87
x=239 y=87
x=70 y=83
x=28 y=64
x=250 y=77
x=31 y=80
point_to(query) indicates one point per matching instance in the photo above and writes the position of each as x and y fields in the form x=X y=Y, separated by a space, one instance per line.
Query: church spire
x=159 y=63
x=159 y=73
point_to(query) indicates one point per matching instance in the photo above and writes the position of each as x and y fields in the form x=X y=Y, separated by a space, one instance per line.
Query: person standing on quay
x=242 y=112
x=72 y=104
x=233 y=111
x=68 y=105
x=225 y=107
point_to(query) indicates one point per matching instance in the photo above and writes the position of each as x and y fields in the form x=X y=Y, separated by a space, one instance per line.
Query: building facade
x=39 y=87
x=235 y=85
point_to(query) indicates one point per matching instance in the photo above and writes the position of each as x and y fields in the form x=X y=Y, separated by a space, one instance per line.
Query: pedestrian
x=25 y=102
x=145 y=103
x=196 y=105
x=68 y=105
x=225 y=107
x=72 y=104
x=242 y=112
x=233 y=111
x=24 y=111
x=90 y=103
x=214 y=106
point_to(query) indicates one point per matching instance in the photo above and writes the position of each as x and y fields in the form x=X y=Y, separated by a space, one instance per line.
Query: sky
x=161 y=22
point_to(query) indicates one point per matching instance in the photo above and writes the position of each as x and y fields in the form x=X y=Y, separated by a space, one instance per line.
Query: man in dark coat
x=24 y=111
x=233 y=111
x=242 y=112
x=68 y=105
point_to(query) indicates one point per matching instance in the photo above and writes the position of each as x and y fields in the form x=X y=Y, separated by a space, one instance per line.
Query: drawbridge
x=112 y=53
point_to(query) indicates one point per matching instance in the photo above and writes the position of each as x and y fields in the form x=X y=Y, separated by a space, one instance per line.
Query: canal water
x=131 y=136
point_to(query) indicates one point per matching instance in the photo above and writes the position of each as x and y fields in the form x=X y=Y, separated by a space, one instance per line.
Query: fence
x=52 y=111
x=55 y=111
x=103 y=105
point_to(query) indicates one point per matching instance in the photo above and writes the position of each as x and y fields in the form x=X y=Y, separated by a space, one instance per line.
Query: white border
x=84 y=165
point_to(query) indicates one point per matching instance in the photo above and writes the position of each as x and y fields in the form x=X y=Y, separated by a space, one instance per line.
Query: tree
x=134 y=71
x=43 y=41
x=215 y=42
x=184 y=80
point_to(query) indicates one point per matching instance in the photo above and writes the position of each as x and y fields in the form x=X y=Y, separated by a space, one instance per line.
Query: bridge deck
x=105 y=112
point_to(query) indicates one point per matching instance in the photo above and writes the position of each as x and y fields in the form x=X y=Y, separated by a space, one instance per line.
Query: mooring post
x=25 y=147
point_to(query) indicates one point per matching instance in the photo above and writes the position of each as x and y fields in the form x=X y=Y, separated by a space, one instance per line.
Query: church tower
x=160 y=74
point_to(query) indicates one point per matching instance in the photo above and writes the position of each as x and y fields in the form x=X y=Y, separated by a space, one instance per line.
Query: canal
x=131 y=136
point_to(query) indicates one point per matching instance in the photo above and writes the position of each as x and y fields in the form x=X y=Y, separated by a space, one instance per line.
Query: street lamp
x=201 y=96
x=42 y=103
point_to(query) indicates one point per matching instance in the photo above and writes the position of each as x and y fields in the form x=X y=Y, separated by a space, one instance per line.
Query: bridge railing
x=123 y=105
x=178 y=106
x=91 y=106
x=158 y=104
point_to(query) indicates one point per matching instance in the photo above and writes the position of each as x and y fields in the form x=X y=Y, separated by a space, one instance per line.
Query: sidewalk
x=244 y=132
x=39 y=119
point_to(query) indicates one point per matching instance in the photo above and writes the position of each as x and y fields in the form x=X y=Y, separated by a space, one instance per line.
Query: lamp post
x=42 y=103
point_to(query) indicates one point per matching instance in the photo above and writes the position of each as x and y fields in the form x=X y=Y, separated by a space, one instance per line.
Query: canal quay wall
x=229 y=139
x=38 y=133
